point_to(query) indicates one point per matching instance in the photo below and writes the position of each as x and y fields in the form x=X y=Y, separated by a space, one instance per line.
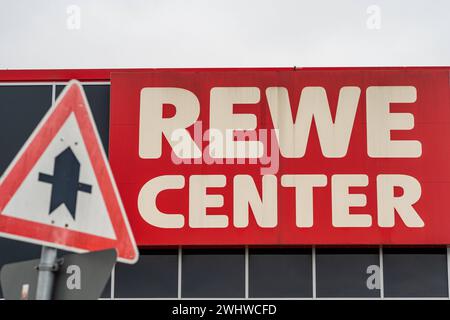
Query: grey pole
x=46 y=276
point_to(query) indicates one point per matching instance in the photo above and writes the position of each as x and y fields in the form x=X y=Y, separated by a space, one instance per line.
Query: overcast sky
x=223 y=33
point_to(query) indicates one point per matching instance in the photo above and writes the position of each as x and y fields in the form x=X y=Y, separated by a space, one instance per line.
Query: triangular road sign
x=59 y=190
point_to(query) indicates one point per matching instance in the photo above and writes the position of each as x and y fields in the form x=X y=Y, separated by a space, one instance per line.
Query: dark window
x=418 y=272
x=21 y=109
x=280 y=273
x=349 y=273
x=154 y=275
x=213 y=273
x=98 y=98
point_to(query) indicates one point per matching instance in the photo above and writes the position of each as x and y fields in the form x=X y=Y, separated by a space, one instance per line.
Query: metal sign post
x=47 y=266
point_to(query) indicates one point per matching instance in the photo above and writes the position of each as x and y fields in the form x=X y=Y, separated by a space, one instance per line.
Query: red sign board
x=59 y=190
x=343 y=156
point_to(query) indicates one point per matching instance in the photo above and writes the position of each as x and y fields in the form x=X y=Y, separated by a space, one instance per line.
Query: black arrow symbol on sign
x=65 y=184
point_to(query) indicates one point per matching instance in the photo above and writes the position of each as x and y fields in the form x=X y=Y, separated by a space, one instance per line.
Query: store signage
x=337 y=156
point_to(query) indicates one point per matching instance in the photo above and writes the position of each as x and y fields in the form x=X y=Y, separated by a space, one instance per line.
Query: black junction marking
x=65 y=184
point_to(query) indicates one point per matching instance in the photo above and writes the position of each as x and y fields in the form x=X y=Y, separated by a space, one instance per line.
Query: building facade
x=278 y=272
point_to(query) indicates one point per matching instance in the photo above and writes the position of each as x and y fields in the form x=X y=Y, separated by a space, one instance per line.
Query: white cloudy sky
x=223 y=33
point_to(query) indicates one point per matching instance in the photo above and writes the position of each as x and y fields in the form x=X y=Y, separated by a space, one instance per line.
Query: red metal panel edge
x=91 y=74
x=105 y=74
